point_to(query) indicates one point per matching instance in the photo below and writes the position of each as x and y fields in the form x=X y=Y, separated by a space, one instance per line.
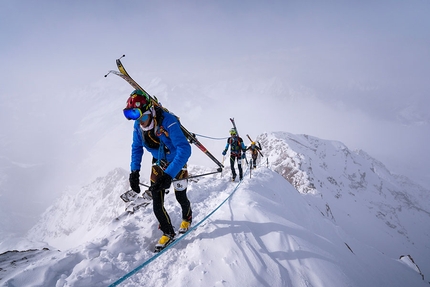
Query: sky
x=342 y=70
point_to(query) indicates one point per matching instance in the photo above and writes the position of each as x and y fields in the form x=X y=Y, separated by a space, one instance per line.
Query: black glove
x=134 y=181
x=162 y=183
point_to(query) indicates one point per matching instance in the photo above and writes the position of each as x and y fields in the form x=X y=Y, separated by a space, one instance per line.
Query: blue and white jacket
x=171 y=136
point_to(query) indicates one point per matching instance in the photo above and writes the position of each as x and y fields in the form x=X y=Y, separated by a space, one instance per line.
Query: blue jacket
x=171 y=136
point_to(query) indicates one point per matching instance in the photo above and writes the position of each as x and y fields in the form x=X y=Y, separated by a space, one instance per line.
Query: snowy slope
x=266 y=234
x=76 y=219
x=356 y=192
x=343 y=221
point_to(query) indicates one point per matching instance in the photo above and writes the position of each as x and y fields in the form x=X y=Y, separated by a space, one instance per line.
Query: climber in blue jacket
x=160 y=133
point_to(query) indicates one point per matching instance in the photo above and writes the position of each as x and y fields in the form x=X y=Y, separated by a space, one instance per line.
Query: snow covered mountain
x=313 y=213
x=356 y=192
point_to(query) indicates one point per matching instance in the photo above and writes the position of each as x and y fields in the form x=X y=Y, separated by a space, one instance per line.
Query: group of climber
x=159 y=132
x=238 y=152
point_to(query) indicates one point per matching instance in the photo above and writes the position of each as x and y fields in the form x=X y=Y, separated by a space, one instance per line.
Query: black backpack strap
x=159 y=114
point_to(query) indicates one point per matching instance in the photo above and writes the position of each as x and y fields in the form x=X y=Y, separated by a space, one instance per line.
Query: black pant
x=239 y=166
x=254 y=160
x=160 y=212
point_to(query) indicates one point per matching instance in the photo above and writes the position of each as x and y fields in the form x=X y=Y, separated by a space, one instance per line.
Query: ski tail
x=234 y=125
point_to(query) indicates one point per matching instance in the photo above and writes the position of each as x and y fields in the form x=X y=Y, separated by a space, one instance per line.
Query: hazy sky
x=353 y=71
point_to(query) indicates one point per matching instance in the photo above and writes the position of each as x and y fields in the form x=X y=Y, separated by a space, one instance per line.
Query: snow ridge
x=355 y=191
x=339 y=223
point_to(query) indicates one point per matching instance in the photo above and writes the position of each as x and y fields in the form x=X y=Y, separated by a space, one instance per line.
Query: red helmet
x=139 y=99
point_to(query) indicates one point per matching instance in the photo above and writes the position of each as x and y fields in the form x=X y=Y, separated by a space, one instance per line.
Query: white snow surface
x=313 y=213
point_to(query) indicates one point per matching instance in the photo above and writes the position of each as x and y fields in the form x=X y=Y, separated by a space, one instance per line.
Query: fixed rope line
x=148 y=261
x=213 y=138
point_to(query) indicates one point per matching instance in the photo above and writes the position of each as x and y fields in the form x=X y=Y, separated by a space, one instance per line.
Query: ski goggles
x=136 y=114
x=132 y=113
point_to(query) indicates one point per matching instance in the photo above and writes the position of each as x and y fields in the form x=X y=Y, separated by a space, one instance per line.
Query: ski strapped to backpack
x=234 y=125
x=253 y=141
x=190 y=136
x=237 y=132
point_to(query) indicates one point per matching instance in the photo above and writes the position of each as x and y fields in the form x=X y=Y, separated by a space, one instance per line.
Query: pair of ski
x=234 y=126
x=253 y=141
x=190 y=136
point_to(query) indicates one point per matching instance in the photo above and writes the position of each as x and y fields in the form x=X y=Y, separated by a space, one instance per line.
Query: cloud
x=353 y=72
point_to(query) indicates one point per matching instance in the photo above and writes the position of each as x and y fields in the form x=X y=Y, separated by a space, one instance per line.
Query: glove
x=134 y=181
x=243 y=155
x=224 y=152
x=162 y=183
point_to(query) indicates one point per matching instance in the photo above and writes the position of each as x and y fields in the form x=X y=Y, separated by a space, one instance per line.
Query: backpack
x=235 y=145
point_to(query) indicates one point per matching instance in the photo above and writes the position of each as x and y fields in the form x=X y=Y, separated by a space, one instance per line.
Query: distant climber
x=255 y=150
x=237 y=151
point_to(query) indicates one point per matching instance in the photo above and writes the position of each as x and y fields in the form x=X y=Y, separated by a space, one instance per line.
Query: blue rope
x=135 y=270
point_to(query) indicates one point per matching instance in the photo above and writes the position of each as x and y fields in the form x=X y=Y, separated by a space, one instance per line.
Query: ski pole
x=199 y=175
x=189 y=177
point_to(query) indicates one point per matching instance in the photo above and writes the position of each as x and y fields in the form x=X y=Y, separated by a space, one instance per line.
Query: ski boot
x=185 y=225
x=164 y=241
